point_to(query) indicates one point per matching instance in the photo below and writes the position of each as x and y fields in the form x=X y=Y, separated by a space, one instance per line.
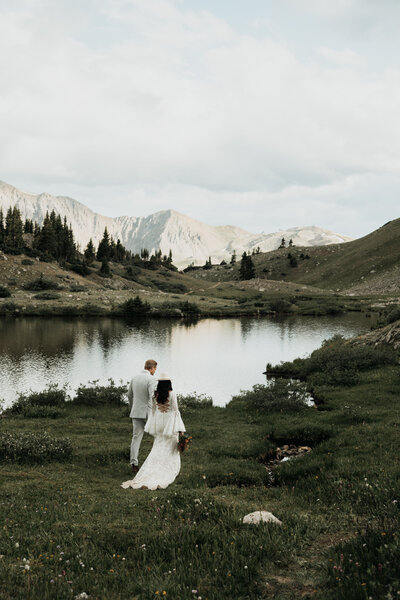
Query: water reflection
x=216 y=357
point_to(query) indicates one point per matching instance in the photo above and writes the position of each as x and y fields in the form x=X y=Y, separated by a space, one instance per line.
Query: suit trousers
x=138 y=430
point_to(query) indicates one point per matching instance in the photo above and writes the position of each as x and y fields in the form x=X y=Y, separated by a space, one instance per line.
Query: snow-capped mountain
x=191 y=241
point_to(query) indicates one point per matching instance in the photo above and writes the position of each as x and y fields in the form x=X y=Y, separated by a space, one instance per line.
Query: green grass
x=81 y=532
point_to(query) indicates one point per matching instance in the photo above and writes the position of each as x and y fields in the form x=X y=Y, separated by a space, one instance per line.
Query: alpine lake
x=210 y=356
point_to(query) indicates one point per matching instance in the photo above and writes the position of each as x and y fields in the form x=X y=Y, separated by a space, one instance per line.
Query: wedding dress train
x=163 y=464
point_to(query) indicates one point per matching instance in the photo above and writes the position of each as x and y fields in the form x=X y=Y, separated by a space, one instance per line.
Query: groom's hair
x=150 y=364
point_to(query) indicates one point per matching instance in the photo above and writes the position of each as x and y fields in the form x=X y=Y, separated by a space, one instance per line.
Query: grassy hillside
x=68 y=293
x=68 y=527
x=369 y=265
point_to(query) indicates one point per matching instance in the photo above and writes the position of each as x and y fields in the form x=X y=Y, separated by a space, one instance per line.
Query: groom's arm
x=151 y=388
x=130 y=395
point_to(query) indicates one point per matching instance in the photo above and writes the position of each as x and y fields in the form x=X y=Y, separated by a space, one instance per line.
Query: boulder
x=260 y=516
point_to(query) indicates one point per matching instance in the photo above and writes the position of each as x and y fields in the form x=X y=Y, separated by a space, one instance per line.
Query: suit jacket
x=140 y=394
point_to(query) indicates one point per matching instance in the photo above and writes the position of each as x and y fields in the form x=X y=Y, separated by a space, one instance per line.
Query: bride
x=164 y=423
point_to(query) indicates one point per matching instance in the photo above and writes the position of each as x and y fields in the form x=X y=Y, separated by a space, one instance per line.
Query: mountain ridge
x=190 y=240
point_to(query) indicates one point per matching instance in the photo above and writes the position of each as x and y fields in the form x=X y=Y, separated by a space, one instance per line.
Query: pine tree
x=233 y=258
x=28 y=226
x=47 y=242
x=105 y=270
x=144 y=253
x=120 y=252
x=247 y=270
x=208 y=264
x=283 y=243
x=103 y=251
x=89 y=252
x=2 y=230
x=13 y=233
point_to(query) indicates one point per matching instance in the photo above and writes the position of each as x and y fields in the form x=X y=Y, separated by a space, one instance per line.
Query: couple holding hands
x=154 y=409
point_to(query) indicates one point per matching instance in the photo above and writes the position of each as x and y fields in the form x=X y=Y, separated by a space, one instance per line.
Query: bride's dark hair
x=162 y=392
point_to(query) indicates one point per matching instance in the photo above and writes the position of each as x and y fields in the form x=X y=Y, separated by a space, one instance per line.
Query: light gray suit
x=140 y=394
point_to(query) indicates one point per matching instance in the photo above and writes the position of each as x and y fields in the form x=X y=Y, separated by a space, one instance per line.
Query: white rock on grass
x=260 y=516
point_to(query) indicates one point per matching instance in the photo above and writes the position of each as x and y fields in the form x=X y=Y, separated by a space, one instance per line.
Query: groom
x=140 y=394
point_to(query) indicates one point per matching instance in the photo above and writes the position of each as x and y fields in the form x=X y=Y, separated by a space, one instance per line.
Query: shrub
x=43 y=412
x=280 y=306
x=8 y=307
x=96 y=395
x=132 y=272
x=394 y=315
x=40 y=284
x=281 y=395
x=135 y=307
x=105 y=270
x=90 y=309
x=337 y=362
x=172 y=288
x=189 y=309
x=33 y=447
x=4 y=292
x=53 y=396
x=27 y=262
x=47 y=296
x=81 y=268
x=194 y=401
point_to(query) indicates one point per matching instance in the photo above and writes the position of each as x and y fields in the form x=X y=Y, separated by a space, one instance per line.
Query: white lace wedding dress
x=163 y=464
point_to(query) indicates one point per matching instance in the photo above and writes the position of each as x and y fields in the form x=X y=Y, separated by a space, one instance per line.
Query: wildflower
x=164 y=593
x=383 y=533
x=16 y=545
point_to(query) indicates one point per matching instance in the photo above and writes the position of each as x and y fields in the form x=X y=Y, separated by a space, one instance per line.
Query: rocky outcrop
x=389 y=335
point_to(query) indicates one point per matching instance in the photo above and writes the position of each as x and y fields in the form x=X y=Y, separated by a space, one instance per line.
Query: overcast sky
x=264 y=114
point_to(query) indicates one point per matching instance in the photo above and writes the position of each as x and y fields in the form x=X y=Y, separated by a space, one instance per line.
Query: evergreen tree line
x=54 y=240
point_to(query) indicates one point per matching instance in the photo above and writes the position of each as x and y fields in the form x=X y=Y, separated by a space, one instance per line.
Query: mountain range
x=190 y=241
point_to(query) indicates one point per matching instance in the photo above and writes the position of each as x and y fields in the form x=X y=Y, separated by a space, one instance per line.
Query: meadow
x=70 y=531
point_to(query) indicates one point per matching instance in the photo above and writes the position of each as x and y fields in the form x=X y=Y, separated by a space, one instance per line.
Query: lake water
x=214 y=357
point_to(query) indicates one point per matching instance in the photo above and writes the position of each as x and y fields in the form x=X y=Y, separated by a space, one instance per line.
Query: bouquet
x=183 y=442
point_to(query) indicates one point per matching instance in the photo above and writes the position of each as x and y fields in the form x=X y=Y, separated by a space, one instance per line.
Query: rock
x=260 y=516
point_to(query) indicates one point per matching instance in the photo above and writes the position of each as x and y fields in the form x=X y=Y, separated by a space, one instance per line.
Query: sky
x=264 y=114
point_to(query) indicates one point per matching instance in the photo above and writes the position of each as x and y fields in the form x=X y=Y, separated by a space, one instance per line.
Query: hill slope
x=369 y=265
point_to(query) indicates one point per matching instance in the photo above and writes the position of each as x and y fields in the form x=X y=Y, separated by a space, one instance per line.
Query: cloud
x=343 y=58
x=140 y=95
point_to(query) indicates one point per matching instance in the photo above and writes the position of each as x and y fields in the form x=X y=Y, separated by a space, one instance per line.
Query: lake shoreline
x=317 y=306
